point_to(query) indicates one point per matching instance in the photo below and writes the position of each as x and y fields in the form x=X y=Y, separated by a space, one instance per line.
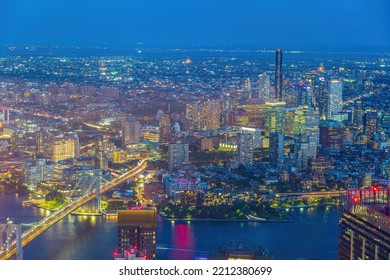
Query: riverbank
x=30 y=203
x=305 y=206
x=247 y=219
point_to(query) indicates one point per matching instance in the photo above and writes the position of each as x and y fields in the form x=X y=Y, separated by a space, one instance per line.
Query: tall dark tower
x=278 y=76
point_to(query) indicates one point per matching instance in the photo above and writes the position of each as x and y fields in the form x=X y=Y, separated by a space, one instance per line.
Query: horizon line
x=211 y=48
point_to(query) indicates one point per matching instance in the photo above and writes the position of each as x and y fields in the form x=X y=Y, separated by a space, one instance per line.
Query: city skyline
x=181 y=130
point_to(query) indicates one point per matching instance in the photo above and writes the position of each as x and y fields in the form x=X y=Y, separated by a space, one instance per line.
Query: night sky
x=290 y=24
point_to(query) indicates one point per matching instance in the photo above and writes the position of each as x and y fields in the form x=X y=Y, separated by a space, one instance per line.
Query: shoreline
x=31 y=204
x=249 y=220
x=305 y=206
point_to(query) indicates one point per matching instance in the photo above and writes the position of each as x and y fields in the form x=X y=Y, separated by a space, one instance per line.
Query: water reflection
x=182 y=238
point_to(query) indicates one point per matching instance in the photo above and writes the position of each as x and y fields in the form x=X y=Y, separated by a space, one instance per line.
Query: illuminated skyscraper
x=335 y=98
x=131 y=131
x=304 y=95
x=193 y=115
x=306 y=123
x=227 y=106
x=257 y=142
x=290 y=121
x=252 y=114
x=264 y=88
x=44 y=144
x=211 y=115
x=65 y=147
x=278 y=76
x=137 y=230
x=370 y=124
x=275 y=117
x=306 y=133
x=313 y=125
x=38 y=172
x=204 y=115
x=320 y=90
x=178 y=155
x=245 y=148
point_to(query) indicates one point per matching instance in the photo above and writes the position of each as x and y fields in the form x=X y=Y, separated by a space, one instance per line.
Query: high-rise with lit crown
x=365 y=225
x=278 y=76
x=137 y=231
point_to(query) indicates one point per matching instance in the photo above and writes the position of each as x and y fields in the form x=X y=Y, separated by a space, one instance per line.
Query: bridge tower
x=9 y=233
x=19 y=247
x=89 y=184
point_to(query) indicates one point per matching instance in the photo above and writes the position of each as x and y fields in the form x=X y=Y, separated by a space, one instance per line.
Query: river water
x=312 y=234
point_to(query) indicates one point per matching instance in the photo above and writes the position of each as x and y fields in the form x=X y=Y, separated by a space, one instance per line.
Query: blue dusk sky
x=290 y=24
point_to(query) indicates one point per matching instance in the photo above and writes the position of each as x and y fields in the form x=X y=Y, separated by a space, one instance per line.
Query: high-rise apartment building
x=165 y=129
x=178 y=155
x=39 y=171
x=137 y=231
x=264 y=83
x=257 y=133
x=65 y=147
x=370 y=124
x=245 y=147
x=320 y=91
x=276 y=147
x=204 y=115
x=331 y=133
x=193 y=115
x=44 y=144
x=211 y=115
x=131 y=131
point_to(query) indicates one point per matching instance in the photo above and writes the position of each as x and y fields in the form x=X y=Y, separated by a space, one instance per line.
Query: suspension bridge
x=95 y=189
